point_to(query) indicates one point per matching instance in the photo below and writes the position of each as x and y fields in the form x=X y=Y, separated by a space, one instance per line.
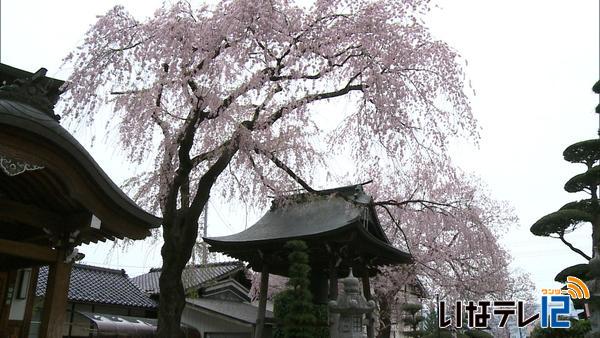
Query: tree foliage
x=583 y=152
x=452 y=230
x=561 y=221
x=580 y=271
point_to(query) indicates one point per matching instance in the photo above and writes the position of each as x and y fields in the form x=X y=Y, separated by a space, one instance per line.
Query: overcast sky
x=531 y=63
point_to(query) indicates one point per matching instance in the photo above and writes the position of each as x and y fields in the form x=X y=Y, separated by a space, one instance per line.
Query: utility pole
x=204 y=234
x=437 y=298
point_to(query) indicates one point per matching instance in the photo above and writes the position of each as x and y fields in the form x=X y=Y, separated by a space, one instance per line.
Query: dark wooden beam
x=27 y=250
x=38 y=217
x=58 y=224
x=29 y=214
x=80 y=220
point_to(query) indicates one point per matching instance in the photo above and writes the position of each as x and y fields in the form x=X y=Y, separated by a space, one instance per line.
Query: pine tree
x=299 y=319
x=574 y=214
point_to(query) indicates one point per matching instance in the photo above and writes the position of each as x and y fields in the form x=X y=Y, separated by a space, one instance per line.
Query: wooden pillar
x=30 y=299
x=262 y=301
x=7 y=289
x=366 y=285
x=333 y=318
x=368 y=296
x=55 y=301
x=319 y=286
x=72 y=315
x=333 y=280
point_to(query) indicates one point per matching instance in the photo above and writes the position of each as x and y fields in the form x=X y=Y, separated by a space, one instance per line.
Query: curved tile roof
x=23 y=116
x=321 y=215
x=30 y=132
x=307 y=215
x=341 y=217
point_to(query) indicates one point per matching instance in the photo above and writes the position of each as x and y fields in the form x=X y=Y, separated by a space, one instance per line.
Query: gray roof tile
x=192 y=276
x=91 y=284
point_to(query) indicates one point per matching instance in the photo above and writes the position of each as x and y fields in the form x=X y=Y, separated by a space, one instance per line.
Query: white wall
x=205 y=321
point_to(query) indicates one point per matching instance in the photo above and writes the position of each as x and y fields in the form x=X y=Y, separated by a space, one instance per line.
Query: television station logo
x=555 y=308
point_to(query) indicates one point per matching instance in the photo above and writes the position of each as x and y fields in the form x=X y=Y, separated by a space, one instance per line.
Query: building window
x=23 y=278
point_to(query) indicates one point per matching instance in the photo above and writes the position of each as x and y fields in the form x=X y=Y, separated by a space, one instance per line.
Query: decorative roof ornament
x=34 y=91
x=14 y=167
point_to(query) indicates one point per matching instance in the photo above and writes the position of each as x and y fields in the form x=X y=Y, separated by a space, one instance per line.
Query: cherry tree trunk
x=179 y=236
x=385 y=318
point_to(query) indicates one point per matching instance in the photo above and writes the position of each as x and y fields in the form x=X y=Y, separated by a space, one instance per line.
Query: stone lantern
x=351 y=307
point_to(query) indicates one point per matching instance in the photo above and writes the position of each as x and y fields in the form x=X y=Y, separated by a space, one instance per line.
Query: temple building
x=53 y=197
x=339 y=226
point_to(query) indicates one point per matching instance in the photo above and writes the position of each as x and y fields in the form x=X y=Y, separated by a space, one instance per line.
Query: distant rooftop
x=192 y=276
x=91 y=284
x=243 y=312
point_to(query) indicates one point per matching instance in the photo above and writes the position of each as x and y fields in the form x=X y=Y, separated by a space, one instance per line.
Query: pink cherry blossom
x=227 y=98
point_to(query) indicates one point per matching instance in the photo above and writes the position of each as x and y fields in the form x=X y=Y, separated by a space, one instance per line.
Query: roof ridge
x=349 y=193
x=215 y=264
x=100 y=268
x=208 y=265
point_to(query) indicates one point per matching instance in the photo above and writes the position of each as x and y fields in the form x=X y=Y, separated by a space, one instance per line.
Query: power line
x=221 y=218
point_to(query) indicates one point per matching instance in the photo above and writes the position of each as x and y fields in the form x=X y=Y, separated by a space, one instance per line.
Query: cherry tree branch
x=185 y=142
x=164 y=126
x=229 y=150
x=209 y=154
x=312 y=98
x=122 y=49
x=224 y=44
x=284 y=167
x=434 y=206
x=260 y=174
x=332 y=65
x=208 y=179
x=241 y=90
x=186 y=137
x=397 y=226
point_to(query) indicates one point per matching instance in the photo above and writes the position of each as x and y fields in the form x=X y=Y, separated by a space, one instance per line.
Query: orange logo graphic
x=577 y=289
